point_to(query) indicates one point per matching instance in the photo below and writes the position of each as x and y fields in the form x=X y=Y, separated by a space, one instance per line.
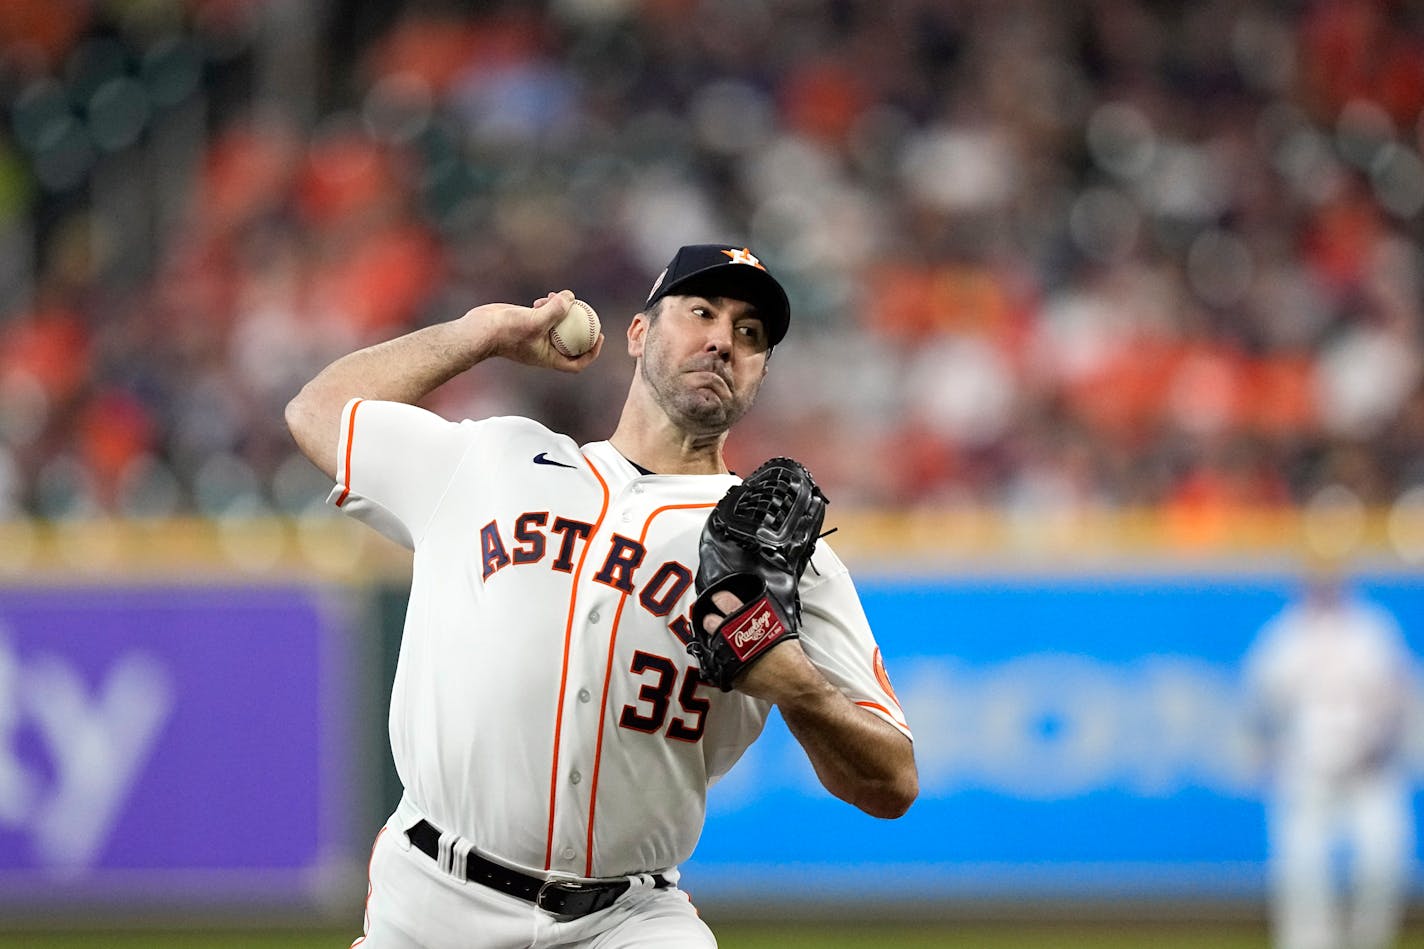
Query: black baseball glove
x=755 y=545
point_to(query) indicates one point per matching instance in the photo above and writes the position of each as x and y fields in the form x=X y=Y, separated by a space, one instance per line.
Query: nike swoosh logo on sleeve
x=543 y=459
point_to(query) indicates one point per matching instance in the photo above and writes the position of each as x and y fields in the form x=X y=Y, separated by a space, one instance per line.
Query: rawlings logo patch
x=754 y=631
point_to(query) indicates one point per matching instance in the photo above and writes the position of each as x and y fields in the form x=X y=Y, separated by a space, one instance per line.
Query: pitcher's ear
x=637 y=334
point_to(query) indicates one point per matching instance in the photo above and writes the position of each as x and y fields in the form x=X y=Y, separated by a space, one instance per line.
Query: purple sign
x=172 y=743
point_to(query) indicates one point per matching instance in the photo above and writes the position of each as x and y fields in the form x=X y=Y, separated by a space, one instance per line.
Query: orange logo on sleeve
x=883 y=677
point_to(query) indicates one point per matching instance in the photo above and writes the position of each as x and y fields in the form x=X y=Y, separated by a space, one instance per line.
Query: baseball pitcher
x=597 y=632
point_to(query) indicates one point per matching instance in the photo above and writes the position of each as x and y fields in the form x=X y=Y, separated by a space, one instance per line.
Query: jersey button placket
x=583 y=723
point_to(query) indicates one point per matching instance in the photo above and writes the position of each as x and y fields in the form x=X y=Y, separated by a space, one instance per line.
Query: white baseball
x=576 y=333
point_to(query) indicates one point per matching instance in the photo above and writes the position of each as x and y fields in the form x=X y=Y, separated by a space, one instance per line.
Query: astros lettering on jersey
x=556 y=579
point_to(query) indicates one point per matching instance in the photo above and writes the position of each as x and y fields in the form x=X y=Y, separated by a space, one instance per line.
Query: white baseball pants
x=413 y=904
x=1361 y=828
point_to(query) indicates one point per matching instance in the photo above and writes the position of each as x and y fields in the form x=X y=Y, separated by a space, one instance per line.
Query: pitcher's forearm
x=405 y=369
x=857 y=757
x=410 y=367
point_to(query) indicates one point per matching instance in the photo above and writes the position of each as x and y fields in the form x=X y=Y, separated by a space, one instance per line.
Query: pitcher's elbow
x=289 y=416
x=315 y=437
x=905 y=795
x=891 y=799
x=296 y=413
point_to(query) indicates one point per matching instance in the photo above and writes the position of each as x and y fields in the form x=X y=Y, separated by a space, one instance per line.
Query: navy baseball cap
x=725 y=270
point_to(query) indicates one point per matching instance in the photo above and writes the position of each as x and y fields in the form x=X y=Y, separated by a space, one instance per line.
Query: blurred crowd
x=1043 y=255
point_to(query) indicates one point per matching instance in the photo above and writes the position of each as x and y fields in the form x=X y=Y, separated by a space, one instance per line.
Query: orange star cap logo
x=744 y=256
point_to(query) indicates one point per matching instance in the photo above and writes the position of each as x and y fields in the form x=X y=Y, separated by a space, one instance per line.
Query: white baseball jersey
x=545 y=708
x=1334 y=680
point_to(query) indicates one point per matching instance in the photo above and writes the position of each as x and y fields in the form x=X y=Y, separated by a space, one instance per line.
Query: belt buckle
x=559 y=882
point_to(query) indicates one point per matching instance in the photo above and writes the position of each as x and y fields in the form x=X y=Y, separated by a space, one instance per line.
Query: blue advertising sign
x=1075 y=737
x=172 y=743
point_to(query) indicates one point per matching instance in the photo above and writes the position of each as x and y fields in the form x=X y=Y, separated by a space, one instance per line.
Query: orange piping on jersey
x=370 y=888
x=608 y=678
x=564 y=673
x=350 y=434
x=898 y=719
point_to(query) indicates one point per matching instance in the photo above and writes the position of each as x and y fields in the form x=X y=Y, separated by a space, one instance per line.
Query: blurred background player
x=1329 y=679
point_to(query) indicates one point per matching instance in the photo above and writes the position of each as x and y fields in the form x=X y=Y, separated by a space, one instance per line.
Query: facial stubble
x=694 y=408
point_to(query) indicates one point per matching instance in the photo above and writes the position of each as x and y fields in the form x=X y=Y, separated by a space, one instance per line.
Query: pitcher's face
x=703 y=359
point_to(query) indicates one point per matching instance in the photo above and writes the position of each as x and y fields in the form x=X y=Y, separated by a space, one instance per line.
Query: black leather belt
x=567 y=898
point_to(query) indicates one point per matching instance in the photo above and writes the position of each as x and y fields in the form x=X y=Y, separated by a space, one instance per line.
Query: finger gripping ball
x=576 y=333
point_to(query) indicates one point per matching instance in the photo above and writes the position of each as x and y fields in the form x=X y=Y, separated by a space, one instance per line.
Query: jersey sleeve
x=1263 y=674
x=394 y=462
x=836 y=636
